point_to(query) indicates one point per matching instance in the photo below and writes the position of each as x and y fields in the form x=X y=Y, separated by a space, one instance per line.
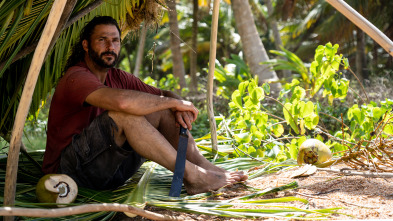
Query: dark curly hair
x=77 y=52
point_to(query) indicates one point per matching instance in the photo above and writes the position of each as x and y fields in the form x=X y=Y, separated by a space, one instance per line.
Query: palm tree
x=141 y=47
x=276 y=33
x=177 y=57
x=194 y=45
x=253 y=48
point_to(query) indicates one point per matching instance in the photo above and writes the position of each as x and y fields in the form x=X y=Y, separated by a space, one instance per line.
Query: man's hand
x=185 y=114
x=185 y=119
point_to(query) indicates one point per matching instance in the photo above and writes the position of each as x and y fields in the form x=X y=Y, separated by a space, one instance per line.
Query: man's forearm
x=171 y=94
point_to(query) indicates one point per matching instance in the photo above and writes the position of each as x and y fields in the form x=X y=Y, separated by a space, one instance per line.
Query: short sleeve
x=80 y=83
x=120 y=79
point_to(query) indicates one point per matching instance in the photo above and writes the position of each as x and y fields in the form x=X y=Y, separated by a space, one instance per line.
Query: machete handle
x=183 y=131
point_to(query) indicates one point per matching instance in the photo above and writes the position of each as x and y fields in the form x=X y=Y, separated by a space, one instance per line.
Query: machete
x=178 y=174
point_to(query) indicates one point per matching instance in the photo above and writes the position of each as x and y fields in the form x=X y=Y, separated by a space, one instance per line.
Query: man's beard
x=101 y=61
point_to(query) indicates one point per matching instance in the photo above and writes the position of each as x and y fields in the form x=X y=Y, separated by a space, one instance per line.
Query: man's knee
x=160 y=117
x=121 y=118
x=155 y=119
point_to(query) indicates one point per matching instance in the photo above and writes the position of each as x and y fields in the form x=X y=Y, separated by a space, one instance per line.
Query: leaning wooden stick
x=25 y=101
x=363 y=24
x=88 y=208
x=212 y=65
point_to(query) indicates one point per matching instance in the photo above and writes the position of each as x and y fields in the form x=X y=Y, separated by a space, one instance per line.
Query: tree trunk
x=360 y=55
x=276 y=33
x=253 y=48
x=193 y=52
x=177 y=58
x=141 y=47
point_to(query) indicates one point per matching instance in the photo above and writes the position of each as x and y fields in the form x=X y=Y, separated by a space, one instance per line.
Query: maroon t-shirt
x=69 y=113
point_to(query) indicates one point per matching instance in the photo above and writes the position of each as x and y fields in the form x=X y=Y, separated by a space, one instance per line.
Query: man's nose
x=110 y=45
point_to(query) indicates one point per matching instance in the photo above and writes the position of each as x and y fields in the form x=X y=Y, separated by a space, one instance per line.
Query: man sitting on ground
x=104 y=122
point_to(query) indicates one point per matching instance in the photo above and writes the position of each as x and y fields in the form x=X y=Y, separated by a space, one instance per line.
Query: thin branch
x=236 y=148
x=361 y=85
x=357 y=94
x=333 y=137
x=282 y=138
x=89 y=208
x=336 y=120
x=356 y=173
x=277 y=117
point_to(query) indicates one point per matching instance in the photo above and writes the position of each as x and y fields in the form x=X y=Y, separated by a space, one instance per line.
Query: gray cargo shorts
x=94 y=160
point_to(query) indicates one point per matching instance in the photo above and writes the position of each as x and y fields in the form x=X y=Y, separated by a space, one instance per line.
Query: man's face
x=104 y=46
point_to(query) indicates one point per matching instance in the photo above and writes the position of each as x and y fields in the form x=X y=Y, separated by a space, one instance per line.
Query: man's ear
x=85 y=45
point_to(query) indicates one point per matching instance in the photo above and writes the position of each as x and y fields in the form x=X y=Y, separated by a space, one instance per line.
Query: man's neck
x=97 y=70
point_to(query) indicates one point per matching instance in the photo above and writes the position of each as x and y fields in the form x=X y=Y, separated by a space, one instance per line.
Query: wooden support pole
x=25 y=101
x=210 y=83
x=363 y=24
x=88 y=208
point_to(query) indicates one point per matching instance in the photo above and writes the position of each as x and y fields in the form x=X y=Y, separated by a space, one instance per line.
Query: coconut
x=313 y=151
x=56 y=188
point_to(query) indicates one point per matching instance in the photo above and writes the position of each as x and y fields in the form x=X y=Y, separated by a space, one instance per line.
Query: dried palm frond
x=375 y=155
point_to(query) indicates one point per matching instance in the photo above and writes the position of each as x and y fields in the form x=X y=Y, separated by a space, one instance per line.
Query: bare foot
x=207 y=165
x=208 y=180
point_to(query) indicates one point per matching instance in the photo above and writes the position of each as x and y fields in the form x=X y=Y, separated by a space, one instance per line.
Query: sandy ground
x=359 y=197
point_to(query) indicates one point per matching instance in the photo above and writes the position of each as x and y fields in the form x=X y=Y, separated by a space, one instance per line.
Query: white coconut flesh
x=64 y=186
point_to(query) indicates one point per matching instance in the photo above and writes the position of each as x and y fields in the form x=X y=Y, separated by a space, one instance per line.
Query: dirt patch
x=359 y=197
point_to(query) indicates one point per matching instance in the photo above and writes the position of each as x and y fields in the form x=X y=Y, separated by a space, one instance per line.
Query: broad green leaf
x=301 y=127
x=388 y=129
x=298 y=93
x=319 y=54
x=314 y=68
x=266 y=88
x=273 y=152
x=252 y=151
x=311 y=121
x=242 y=137
x=290 y=120
x=242 y=87
x=336 y=62
x=298 y=108
x=278 y=130
x=377 y=113
x=257 y=95
x=308 y=109
x=237 y=99
x=355 y=113
x=293 y=83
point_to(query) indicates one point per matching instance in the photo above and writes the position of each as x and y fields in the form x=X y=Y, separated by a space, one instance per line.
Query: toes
x=239 y=176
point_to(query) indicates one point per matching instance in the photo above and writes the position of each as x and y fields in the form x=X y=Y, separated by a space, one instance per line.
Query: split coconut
x=56 y=188
x=313 y=151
